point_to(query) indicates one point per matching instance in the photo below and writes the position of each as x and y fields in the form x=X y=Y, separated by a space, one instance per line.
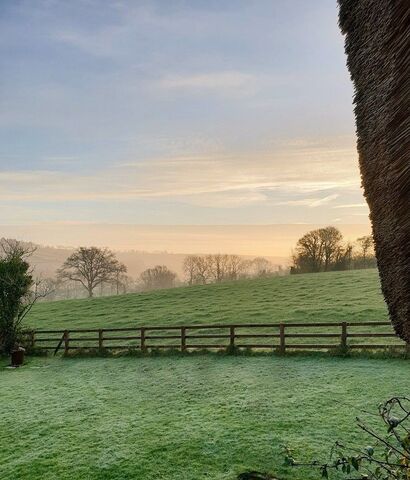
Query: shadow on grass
x=388 y=353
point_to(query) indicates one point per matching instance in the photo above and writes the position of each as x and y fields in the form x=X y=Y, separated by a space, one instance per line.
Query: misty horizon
x=248 y=240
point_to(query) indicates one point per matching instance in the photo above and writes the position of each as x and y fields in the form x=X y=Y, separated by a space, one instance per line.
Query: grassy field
x=183 y=418
x=203 y=416
x=327 y=297
x=334 y=296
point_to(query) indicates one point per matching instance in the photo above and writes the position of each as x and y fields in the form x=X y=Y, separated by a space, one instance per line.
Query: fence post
x=282 y=347
x=100 y=339
x=183 y=339
x=143 y=347
x=32 y=339
x=343 y=338
x=232 y=337
x=66 y=341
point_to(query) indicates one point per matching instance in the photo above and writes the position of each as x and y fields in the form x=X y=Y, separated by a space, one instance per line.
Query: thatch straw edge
x=378 y=56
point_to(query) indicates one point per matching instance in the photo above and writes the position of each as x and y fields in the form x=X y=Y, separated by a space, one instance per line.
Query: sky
x=182 y=112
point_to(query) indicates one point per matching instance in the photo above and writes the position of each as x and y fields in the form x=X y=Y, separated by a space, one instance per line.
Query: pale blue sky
x=176 y=112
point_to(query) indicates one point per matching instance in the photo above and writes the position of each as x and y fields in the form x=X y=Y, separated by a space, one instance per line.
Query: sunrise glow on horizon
x=195 y=113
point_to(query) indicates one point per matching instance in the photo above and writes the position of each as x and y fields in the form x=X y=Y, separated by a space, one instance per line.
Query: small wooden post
x=100 y=339
x=66 y=341
x=183 y=339
x=282 y=347
x=143 y=347
x=232 y=337
x=343 y=338
x=32 y=339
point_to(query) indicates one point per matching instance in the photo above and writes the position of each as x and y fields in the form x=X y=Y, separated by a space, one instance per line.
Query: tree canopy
x=324 y=249
x=91 y=267
x=18 y=291
x=158 y=277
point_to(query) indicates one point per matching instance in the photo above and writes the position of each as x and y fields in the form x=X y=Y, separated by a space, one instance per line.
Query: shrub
x=387 y=457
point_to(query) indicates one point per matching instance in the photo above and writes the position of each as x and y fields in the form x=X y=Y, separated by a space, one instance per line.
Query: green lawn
x=204 y=416
x=182 y=418
x=335 y=296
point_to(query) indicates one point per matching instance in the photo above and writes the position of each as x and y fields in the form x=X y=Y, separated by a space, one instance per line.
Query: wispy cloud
x=324 y=201
x=224 y=180
x=176 y=109
x=99 y=44
x=310 y=202
x=208 y=80
x=352 y=205
x=214 y=81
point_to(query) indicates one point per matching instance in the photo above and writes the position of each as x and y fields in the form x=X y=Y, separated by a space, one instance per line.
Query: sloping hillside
x=336 y=296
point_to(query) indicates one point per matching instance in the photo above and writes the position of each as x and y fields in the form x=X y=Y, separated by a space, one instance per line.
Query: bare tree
x=343 y=258
x=261 y=267
x=331 y=239
x=120 y=277
x=91 y=267
x=125 y=283
x=11 y=248
x=217 y=266
x=366 y=247
x=158 y=277
x=235 y=267
x=202 y=270
x=196 y=269
x=190 y=268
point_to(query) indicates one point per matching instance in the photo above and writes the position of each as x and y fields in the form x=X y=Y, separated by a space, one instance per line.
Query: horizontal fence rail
x=280 y=337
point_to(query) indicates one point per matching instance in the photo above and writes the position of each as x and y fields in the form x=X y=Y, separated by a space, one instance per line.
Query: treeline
x=200 y=270
x=93 y=271
x=325 y=250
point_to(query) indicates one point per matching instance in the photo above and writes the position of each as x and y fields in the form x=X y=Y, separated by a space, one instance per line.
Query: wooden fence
x=277 y=336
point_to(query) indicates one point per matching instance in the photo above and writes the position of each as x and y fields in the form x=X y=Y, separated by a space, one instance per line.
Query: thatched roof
x=378 y=52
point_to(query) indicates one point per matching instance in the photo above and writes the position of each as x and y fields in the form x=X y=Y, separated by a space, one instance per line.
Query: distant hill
x=47 y=260
x=262 y=240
